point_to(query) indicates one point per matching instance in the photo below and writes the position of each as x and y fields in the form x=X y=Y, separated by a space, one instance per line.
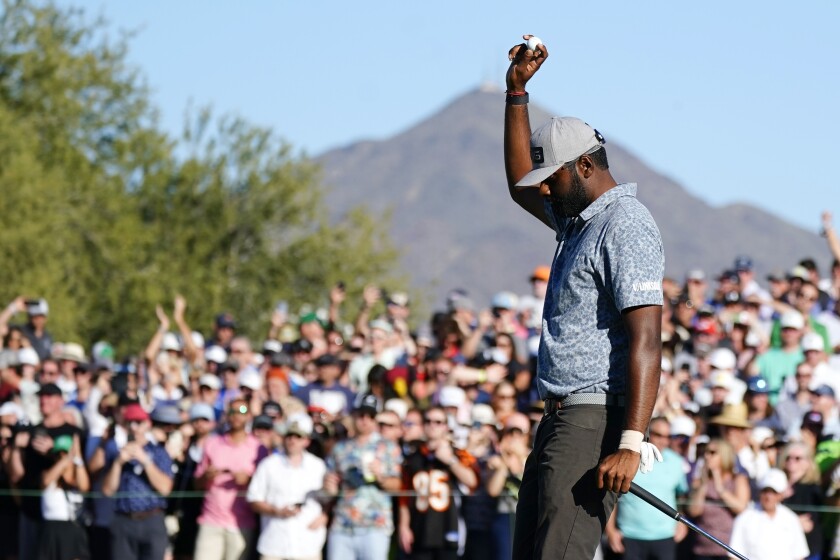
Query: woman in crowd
x=717 y=495
x=804 y=494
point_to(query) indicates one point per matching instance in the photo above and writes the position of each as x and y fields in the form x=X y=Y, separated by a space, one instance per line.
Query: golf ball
x=533 y=42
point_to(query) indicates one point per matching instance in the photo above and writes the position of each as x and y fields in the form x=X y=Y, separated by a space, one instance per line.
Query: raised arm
x=524 y=64
x=190 y=350
x=831 y=235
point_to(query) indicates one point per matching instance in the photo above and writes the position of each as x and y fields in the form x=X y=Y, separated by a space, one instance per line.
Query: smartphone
x=282 y=307
x=130 y=437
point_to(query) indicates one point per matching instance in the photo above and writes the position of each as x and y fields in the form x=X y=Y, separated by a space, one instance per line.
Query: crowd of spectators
x=364 y=438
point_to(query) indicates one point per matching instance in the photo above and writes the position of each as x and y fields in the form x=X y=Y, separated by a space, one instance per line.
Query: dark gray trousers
x=561 y=513
x=139 y=539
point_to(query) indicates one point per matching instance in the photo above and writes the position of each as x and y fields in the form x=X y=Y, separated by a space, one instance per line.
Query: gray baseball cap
x=556 y=143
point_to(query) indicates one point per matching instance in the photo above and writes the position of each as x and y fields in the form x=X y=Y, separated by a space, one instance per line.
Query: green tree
x=105 y=217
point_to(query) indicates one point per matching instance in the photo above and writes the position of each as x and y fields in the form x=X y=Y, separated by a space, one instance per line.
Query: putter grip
x=646 y=496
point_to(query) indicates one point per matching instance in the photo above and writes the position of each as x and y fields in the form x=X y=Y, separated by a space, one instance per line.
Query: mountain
x=443 y=182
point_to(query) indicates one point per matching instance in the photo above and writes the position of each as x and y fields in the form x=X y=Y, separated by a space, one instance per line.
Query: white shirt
x=278 y=483
x=757 y=535
x=58 y=504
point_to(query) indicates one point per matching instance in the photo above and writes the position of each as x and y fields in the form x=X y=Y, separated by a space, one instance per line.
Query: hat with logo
x=758 y=384
x=706 y=325
x=37 y=307
x=799 y=272
x=399 y=299
x=743 y=263
x=272 y=409
x=823 y=391
x=774 y=479
x=369 y=404
x=556 y=143
x=298 y=424
x=813 y=419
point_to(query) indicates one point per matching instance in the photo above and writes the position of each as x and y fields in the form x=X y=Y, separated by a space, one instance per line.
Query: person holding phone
x=283 y=492
x=141 y=475
x=31 y=457
x=226 y=525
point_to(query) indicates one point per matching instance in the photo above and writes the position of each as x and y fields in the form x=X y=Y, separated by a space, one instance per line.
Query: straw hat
x=733 y=415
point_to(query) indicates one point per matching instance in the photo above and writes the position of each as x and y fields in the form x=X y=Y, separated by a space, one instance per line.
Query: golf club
x=649 y=498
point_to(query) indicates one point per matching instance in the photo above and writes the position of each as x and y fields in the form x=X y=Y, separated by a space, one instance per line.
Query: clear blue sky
x=738 y=101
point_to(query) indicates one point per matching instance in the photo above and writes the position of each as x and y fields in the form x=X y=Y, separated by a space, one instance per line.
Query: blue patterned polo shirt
x=608 y=259
x=136 y=493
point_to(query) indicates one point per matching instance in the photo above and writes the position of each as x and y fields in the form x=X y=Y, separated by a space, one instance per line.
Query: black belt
x=577 y=399
x=140 y=514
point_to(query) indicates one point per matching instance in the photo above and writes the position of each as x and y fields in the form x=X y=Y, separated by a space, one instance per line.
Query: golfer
x=599 y=356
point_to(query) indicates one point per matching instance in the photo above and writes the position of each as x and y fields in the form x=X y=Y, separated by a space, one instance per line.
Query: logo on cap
x=537 y=155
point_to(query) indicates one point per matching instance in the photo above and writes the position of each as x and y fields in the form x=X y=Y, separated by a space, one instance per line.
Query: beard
x=575 y=202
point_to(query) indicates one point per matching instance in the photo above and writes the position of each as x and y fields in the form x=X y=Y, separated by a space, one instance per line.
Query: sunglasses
x=241 y=409
x=435 y=422
x=387 y=425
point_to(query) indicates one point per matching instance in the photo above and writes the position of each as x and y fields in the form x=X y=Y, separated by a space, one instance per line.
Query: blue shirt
x=139 y=494
x=608 y=259
x=639 y=521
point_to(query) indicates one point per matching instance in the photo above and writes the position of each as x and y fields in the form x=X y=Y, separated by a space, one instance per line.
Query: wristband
x=78 y=462
x=482 y=375
x=632 y=440
x=517 y=98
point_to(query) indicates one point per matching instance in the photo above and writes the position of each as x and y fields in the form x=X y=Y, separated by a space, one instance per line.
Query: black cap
x=369 y=404
x=327 y=360
x=301 y=345
x=229 y=365
x=262 y=422
x=281 y=359
x=272 y=409
x=49 y=389
x=225 y=320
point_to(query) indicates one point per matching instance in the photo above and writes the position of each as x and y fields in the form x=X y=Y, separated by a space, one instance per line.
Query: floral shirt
x=361 y=503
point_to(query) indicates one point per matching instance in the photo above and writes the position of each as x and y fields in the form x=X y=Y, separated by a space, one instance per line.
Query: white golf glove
x=650 y=456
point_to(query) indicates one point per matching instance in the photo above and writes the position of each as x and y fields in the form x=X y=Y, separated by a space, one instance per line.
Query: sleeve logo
x=646 y=286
